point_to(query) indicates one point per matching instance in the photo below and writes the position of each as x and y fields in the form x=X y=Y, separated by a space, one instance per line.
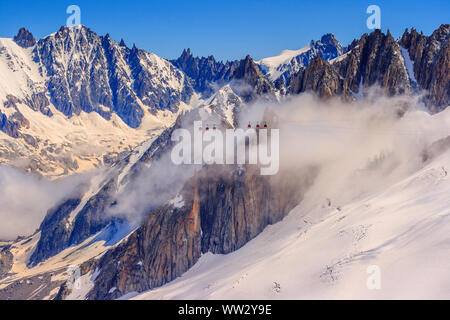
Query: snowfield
x=324 y=252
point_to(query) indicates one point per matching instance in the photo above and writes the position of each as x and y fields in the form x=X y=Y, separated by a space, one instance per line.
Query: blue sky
x=227 y=29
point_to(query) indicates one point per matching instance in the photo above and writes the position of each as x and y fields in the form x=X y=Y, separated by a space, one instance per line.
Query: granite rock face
x=6 y=261
x=204 y=72
x=93 y=73
x=319 y=77
x=73 y=221
x=328 y=47
x=219 y=210
x=11 y=125
x=431 y=57
x=24 y=38
x=250 y=82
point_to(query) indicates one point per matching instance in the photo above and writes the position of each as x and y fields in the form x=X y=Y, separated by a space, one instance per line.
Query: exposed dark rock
x=436 y=149
x=250 y=82
x=9 y=127
x=157 y=97
x=39 y=102
x=320 y=77
x=92 y=217
x=55 y=232
x=375 y=60
x=37 y=287
x=90 y=73
x=328 y=47
x=24 y=38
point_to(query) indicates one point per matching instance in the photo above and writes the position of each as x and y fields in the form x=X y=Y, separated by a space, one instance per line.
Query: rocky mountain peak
x=24 y=38
x=247 y=73
x=431 y=57
x=317 y=62
x=320 y=77
x=247 y=69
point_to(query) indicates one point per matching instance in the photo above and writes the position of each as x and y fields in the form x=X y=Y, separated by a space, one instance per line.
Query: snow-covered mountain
x=75 y=100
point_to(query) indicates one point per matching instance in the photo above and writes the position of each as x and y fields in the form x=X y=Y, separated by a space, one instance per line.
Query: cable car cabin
x=258 y=126
x=214 y=128
x=207 y=128
x=249 y=125
x=265 y=126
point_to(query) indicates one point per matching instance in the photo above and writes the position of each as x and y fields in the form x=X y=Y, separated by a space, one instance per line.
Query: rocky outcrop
x=374 y=60
x=55 y=235
x=203 y=72
x=219 y=210
x=328 y=47
x=11 y=125
x=320 y=77
x=250 y=82
x=74 y=220
x=24 y=38
x=431 y=56
x=39 y=102
x=91 y=73
x=157 y=96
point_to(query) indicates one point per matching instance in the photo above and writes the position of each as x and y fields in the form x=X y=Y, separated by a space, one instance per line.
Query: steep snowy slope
x=325 y=251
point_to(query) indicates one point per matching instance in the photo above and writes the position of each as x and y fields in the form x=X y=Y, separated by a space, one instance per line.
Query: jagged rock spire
x=24 y=38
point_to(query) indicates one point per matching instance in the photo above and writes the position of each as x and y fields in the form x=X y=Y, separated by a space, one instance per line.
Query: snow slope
x=324 y=251
x=275 y=66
